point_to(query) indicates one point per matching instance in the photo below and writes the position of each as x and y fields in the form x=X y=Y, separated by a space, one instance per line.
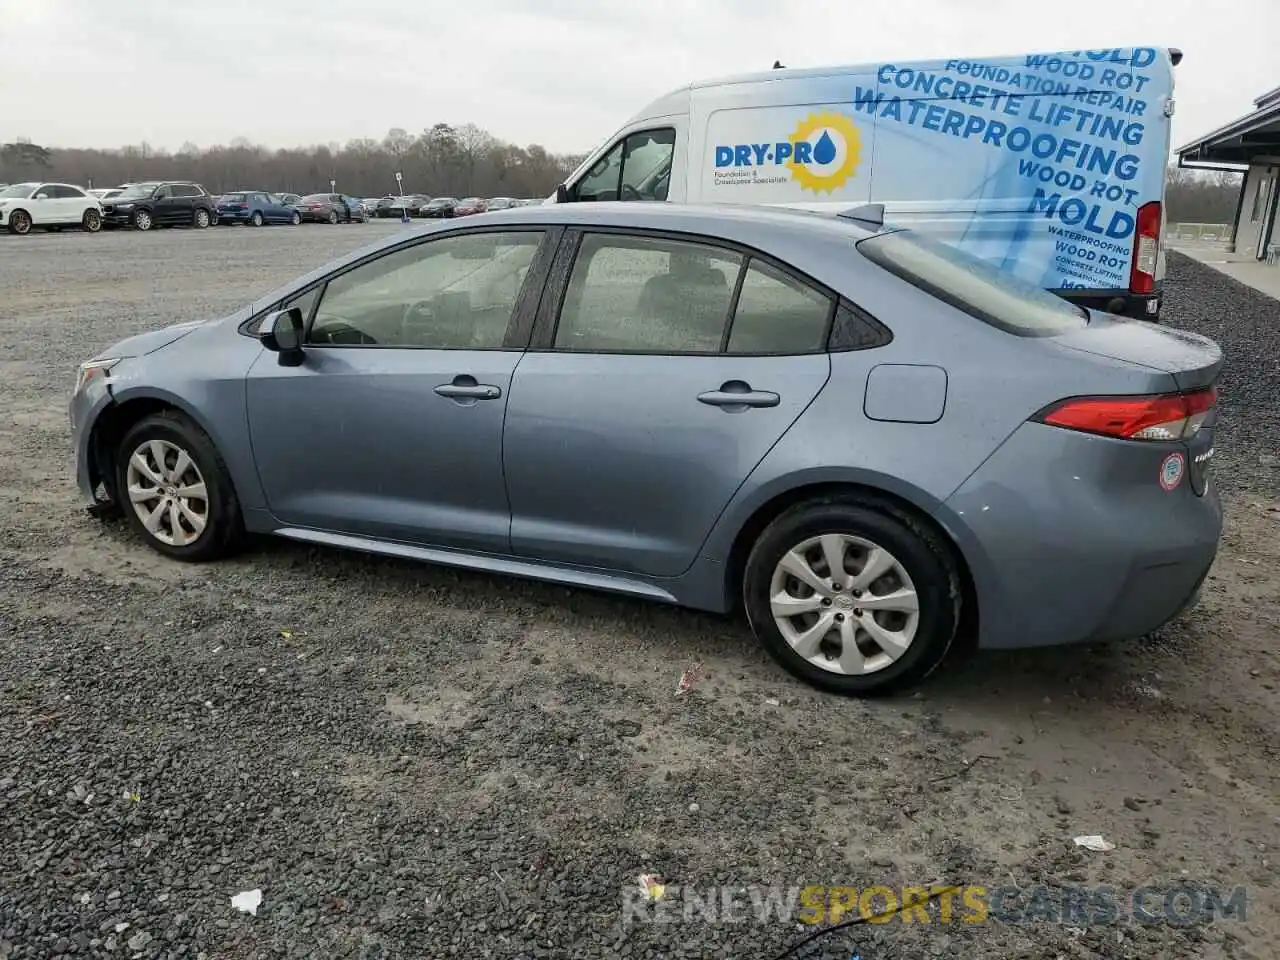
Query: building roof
x=1254 y=135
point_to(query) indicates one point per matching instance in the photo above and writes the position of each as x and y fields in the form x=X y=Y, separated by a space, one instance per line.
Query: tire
x=916 y=551
x=201 y=218
x=142 y=220
x=256 y=220
x=20 y=222
x=91 y=221
x=297 y=218
x=333 y=216
x=223 y=529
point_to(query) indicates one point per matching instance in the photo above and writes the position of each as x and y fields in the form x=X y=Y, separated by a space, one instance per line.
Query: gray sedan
x=868 y=441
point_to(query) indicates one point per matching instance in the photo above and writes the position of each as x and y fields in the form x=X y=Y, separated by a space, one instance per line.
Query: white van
x=1049 y=165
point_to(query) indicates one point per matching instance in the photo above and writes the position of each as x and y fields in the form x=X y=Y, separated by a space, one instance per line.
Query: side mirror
x=562 y=194
x=282 y=334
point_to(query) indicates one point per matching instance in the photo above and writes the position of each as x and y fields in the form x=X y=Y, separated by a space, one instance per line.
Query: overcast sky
x=563 y=73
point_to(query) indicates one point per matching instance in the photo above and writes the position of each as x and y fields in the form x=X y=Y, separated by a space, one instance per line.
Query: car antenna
x=777 y=65
x=872 y=213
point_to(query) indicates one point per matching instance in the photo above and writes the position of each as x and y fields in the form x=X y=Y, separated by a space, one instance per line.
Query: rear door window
x=647 y=295
x=981 y=290
x=777 y=314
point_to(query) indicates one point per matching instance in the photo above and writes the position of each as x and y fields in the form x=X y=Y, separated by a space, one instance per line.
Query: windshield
x=137 y=190
x=18 y=190
x=975 y=286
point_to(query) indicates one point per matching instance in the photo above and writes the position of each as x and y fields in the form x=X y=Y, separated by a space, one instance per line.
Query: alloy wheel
x=20 y=222
x=142 y=220
x=92 y=221
x=167 y=492
x=297 y=218
x=256 y=220
x=333 y=216
x=202 y=218
x=844 y=604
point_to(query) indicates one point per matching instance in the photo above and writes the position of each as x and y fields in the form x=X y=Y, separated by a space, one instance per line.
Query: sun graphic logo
x=825 y=151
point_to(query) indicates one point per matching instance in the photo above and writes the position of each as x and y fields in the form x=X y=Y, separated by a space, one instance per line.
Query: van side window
x=636 y=168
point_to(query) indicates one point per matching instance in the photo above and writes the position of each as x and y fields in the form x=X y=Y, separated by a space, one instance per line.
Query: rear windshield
x=317 y=198
x=973 y=285
x=234 y=197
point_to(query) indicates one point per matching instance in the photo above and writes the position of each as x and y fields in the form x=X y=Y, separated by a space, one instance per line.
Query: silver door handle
x=737 y=395
x=465 y=391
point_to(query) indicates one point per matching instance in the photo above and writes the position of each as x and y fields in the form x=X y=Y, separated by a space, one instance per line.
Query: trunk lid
x=1192 y=360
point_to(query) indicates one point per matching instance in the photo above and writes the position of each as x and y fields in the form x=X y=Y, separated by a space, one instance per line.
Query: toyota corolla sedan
x=866 y=440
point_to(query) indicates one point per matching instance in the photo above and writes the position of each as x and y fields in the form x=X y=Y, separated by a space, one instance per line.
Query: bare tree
x=442 y=160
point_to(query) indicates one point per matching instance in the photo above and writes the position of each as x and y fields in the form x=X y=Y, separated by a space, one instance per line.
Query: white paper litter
x=248 y=901
x=1095 y=843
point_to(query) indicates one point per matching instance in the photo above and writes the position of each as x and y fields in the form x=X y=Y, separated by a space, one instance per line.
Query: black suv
x=160 y=204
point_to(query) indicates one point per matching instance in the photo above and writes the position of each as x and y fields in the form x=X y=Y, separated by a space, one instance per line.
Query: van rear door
x=1047 y=165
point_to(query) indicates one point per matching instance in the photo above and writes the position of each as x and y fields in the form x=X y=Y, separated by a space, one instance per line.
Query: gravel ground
x=412 y=762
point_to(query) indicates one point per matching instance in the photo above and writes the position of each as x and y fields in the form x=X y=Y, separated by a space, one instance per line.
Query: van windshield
x=973 y=285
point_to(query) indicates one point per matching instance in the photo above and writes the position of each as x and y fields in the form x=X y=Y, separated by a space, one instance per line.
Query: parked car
x=48 y=205
x=254 y=208
x=870 y=439
x=161 y=203
x=438 y=208
x=500 y=203
x=370 y=205
x=470 y=205
x=399 y=206
x=354 y=207
x=322 y=208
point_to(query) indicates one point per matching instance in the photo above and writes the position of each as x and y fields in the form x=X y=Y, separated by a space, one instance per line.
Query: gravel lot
x=412 y=762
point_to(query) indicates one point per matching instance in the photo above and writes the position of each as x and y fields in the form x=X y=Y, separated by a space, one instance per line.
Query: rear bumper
x=1070 y=538
x=233 y=216
x=1137 y=306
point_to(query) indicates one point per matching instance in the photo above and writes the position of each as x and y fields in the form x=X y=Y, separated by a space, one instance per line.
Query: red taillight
x=1146 y=249
x=1174 y=416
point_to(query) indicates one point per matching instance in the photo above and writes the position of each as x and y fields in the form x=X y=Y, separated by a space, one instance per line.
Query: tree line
x=1195 y=196
x=443 y=160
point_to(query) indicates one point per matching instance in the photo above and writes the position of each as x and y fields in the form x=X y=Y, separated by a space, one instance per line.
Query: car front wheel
x=20 y=222
x=853 y=595
x=142 y=220
x=176 y=489
x=91 y=221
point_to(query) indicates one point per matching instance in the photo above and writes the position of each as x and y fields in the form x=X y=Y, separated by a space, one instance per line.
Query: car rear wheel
x=202 y=218
x=142 y=220
x=853 y=595
x=20 y=222
x=296 y=219
x=333 y=216
x=176 y=490
x=91 y=221
x=256 y=219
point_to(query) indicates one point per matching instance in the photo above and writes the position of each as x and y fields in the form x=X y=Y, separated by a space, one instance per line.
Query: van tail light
x=1146 y=249
x=1167 y=417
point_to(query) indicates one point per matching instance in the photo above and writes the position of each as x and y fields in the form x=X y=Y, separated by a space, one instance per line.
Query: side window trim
x=548 y=317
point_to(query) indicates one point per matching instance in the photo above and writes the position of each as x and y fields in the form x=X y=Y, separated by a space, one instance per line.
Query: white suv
x=27 y=205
